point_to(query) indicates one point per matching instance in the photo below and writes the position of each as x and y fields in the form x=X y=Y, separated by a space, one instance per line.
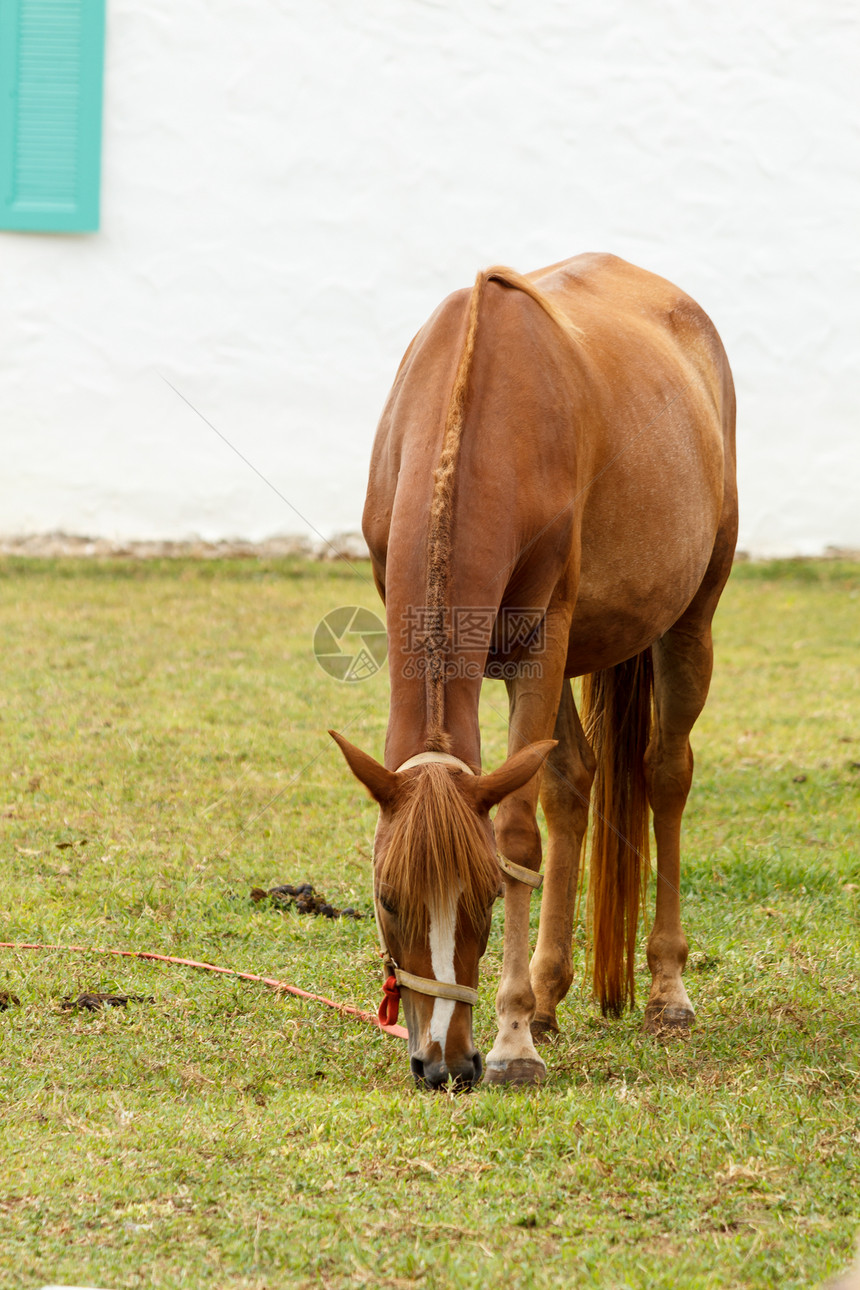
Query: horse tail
x=616 y=716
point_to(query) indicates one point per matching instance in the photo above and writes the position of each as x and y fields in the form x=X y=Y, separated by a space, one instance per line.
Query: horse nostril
x=433 y=1074
x=417 y=1067
x=469 y=1074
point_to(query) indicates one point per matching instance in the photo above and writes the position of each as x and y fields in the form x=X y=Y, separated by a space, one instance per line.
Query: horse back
x=599 y=463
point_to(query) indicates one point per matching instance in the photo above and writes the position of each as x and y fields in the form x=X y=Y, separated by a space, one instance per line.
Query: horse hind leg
x=682 y=672
x=564 y=795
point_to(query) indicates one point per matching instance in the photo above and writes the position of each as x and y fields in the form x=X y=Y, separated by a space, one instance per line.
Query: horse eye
x=386 y=905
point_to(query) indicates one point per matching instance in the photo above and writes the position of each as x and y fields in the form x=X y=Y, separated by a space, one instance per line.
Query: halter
x=397 y=978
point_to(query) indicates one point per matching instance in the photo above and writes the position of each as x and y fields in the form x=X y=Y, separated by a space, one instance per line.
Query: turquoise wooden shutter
x=51 y=69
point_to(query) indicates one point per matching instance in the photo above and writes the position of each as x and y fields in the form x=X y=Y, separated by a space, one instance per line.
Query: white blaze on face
x=443 y=929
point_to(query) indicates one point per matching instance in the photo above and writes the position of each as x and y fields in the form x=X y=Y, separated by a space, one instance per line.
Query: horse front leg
x=682 y=673
x=564 y=794
x=513 y=1058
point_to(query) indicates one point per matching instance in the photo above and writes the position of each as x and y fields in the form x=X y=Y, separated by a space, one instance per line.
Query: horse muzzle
x=463 y=1074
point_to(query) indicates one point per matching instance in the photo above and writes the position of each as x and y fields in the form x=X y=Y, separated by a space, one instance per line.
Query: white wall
x=290 y=188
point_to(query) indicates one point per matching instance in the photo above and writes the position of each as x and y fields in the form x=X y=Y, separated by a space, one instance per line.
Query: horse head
x=436 y=876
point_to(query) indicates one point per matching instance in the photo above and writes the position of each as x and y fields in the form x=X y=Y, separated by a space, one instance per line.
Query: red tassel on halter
x=390 y=1006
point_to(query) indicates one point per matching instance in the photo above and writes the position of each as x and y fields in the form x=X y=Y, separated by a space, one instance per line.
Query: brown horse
x=552 y=495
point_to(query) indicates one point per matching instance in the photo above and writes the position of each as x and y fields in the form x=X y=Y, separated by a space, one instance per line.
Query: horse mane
x=442 y=503
x=436 y=848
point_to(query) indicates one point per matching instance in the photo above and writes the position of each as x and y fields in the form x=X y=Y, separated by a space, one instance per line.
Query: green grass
x=163 y=749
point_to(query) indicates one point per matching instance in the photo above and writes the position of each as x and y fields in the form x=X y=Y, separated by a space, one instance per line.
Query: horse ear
x=516 y=771
x=379 y=782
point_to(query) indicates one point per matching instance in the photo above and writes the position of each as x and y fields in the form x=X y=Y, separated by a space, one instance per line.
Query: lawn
x=163 y=751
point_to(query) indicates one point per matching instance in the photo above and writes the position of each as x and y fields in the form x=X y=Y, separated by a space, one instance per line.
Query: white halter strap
x=519 y=873
x=425 y=758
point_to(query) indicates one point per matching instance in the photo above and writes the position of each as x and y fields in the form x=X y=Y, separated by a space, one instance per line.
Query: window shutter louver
x=51 y=69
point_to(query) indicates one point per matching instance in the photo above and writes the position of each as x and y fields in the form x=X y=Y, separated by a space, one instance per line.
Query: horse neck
x=413 y=724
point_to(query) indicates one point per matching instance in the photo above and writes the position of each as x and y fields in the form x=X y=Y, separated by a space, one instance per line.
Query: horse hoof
x=660 y=1016
x=520 y=1070
x=543 y=1029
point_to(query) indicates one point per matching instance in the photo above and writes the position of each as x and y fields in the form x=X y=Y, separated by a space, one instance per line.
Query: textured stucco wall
x=289 y=189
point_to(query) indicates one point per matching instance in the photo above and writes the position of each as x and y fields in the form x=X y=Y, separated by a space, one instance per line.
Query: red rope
x=345 y=1008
